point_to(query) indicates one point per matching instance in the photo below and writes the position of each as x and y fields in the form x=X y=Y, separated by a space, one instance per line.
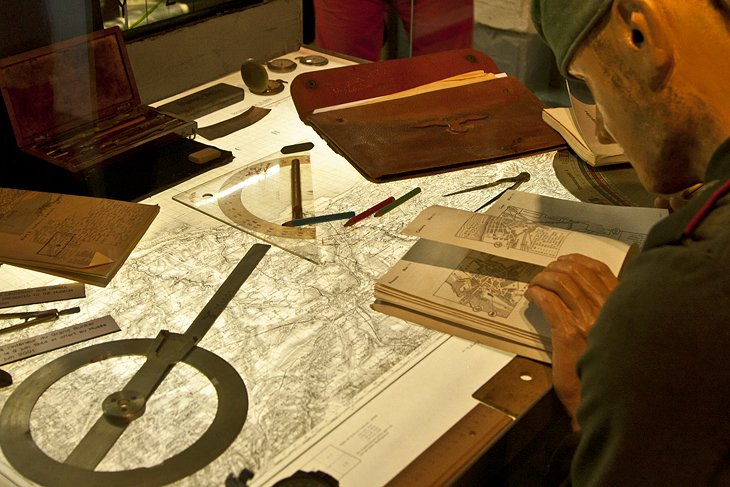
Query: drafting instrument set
x=46 y=91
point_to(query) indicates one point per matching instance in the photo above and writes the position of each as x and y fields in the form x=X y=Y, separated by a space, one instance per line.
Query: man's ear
x=645 y=34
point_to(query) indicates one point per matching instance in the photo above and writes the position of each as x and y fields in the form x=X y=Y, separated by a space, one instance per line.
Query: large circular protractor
x=16 y=437
x=122 y=407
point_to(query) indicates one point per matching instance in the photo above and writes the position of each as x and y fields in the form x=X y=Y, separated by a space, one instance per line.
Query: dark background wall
x=27 y=24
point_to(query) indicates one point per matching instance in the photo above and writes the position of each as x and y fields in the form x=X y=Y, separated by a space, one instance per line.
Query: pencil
x=398 y=202
x=369 y=211
x=319 y=219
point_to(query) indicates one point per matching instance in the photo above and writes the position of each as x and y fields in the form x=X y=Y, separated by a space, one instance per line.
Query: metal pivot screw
x=125 y=406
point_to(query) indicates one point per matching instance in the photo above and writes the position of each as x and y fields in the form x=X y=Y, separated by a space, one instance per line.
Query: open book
x=467 y=273
x=577 y=125
x=77 y=237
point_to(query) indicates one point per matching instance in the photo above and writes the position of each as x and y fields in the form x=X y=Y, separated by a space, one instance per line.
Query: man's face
x=651 y=126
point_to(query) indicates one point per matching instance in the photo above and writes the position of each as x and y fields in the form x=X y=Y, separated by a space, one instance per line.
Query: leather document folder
x=425 y=133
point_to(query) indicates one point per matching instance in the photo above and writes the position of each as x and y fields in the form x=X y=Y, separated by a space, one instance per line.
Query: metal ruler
x=505 y=397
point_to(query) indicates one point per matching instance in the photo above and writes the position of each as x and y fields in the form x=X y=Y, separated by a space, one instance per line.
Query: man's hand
x=570 y=292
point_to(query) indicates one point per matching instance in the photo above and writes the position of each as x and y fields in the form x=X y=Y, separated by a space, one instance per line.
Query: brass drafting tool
x=120 y=408
x=296 y=190
x=31 y=318
x=522 y=177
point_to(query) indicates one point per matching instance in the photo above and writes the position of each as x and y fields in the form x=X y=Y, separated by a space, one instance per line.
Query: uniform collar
x=671 y=229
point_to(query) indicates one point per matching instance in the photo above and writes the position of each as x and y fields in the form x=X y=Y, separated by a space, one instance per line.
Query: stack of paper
x=468 y=272
x=578 y=126
x=81 y=238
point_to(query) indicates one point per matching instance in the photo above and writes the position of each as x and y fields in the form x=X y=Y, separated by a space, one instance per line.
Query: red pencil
x=369 y=211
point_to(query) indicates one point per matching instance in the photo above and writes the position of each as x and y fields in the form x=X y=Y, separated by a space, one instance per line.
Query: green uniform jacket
x=655 y=407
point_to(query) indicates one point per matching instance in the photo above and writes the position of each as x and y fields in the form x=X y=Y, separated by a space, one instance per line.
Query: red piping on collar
x=700 y=215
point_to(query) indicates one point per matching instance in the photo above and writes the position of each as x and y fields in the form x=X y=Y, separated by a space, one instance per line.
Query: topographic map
x=302 y=336
x=301 y=363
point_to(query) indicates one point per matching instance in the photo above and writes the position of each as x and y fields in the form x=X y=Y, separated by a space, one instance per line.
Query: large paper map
x=314 y=356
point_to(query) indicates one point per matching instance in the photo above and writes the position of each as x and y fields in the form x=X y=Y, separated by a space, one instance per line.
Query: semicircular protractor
x=265 y=187
x=260 y=198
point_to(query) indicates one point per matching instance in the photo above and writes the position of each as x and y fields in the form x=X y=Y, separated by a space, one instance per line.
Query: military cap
x=563 y=24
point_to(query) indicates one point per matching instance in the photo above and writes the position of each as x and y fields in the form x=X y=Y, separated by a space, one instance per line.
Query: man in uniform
x=650 y=395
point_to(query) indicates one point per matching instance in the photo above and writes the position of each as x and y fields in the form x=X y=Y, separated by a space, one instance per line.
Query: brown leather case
x=75 y=103
x=427 y=133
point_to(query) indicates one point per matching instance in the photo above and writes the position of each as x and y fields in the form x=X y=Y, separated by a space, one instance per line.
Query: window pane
x=146 y=16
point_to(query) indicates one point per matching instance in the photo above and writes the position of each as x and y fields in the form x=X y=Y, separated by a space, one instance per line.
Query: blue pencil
x=319 y=219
